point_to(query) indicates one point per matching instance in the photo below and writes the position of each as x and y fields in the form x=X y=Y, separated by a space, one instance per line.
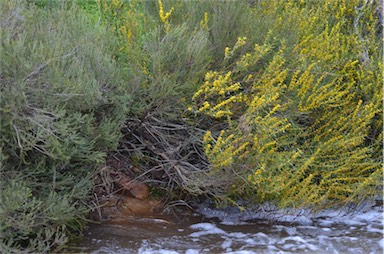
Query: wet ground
x=234 y=231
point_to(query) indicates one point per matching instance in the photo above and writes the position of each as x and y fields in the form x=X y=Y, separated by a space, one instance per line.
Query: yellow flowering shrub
x=298 y=116
x=128 y=21
x=224 y=93
x=294 y=90
x=164 y=17
x=204 y=21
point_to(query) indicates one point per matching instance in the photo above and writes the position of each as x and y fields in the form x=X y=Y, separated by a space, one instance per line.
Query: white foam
x=192 y=251
x=158 y=251
x=150 y=248
x=374 y=229
x=207 y=229
x=294 y=239
x=242 y=252
x=297 y=242
x=203 y=226
x=262 y=239
x=326 y=223
x=289 y=247
x=238 y=235
x=226 y=244
x=154 y=250
x=260 y=234
x=291 y=230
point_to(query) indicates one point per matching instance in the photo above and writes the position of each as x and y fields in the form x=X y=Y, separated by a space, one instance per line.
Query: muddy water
x=232 y=231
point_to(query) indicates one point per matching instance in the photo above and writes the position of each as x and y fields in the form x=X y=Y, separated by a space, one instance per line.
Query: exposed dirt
x=166 y=156
x=119 y=195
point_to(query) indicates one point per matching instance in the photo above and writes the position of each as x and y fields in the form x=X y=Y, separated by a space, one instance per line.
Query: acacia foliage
x=303 y=106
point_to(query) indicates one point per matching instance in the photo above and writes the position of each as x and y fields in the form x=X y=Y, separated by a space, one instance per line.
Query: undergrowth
x=63 y=102
x=276 y=101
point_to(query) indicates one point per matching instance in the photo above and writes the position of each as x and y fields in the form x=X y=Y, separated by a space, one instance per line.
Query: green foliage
x=300 y=123
x=166 y=59
x=293 y=87
x=36 y=225
x=63 y=102
x=289 y=93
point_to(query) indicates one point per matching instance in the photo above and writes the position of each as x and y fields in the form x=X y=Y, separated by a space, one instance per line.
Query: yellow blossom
x=227 y=53
x=241 y=41
x=204 y=22
x=164 y=17
x=205 y=106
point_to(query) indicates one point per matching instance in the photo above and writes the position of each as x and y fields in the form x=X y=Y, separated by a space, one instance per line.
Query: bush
x=293 y=101
x=166 y=58
x=63 y=103
x=287 y=94
x=302 y=129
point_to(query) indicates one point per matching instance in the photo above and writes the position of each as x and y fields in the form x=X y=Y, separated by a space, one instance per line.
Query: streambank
x=231 y=215
x=229 y=230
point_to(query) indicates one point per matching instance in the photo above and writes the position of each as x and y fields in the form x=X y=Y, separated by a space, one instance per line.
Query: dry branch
x=171 y=155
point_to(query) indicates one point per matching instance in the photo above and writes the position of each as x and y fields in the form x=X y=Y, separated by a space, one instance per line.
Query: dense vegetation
x=276 y=101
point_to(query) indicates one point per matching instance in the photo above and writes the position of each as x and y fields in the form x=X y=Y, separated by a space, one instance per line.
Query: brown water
x=329 y=232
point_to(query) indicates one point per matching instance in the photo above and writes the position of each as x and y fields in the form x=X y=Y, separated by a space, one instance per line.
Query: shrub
x=302 y=129
x=166 y=58
x=291 y=91
x=63 y=102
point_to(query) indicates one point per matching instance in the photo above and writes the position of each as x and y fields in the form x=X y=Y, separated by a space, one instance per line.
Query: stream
x=230 y=230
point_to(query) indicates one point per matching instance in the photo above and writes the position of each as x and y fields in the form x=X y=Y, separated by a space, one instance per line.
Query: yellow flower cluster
x=204 y=22
x=300 y=122
x=249 y=60
x=164 y=16
x=219 y=90
x=126 y=20
x=241 y=41
x=127 y=32
x=316 y=90
x=224 y=150
x=228 y=53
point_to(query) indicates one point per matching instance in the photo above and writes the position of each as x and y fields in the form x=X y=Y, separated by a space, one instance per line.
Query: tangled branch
x=170 y=155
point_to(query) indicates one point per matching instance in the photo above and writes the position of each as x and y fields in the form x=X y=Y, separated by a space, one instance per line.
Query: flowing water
x=234 y=231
